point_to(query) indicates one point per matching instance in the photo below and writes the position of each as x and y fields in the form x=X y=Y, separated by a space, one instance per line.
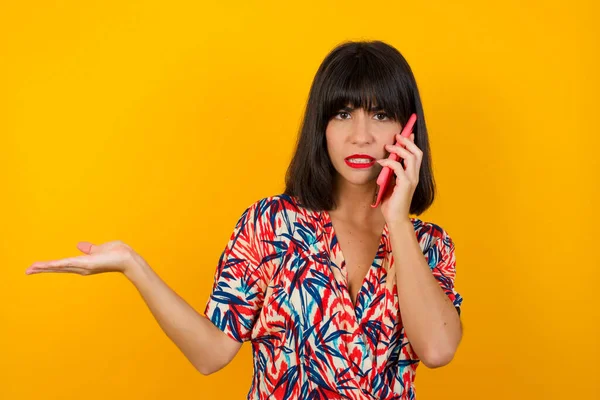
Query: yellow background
x=157 y=123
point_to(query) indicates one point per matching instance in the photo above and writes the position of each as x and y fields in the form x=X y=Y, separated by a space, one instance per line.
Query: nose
x=360 y=130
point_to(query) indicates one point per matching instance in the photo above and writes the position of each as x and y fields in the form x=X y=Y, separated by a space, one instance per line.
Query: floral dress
x=281 y=283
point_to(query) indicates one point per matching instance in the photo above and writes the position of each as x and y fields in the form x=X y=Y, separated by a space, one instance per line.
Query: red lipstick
x=360 y=161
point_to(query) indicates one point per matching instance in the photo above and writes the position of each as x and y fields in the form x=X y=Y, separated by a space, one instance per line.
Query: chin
x=358 y=179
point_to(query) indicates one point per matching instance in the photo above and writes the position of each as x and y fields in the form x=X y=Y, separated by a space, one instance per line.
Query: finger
x=409 y=145
x=394 y=166
x=401 y=151
x=410 y=162
x=80 y=261
x=66 y=262
x=69 y=270
x=87 y=247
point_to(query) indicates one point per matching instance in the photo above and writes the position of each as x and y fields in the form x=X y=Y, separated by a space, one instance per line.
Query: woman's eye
x=379 y=116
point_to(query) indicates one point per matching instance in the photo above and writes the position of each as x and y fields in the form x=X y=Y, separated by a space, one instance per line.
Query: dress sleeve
x=442 y=262
x=238 y=290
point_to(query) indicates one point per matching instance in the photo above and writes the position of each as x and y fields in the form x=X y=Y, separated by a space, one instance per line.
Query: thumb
x=87 y=247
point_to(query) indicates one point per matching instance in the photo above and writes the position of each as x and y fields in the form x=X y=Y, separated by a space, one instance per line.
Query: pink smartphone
x=384 y=175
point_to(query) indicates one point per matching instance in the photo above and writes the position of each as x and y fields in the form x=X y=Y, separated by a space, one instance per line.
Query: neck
x=354 y=203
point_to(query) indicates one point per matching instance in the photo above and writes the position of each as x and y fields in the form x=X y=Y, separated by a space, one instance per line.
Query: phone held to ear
x=384 y=176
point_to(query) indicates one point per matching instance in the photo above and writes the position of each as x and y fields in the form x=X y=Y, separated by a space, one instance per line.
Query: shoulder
x=431 y=235
x=275 y=203
x=271 y=212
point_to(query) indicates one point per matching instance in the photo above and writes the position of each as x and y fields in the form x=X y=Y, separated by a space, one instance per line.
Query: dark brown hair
x=356 y=73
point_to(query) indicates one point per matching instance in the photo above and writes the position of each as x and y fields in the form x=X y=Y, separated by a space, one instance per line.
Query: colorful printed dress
x=281 y=283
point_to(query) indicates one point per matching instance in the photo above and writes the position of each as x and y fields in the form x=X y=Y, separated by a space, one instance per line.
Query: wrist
x=135 y=266
x=401 y=223
x=401 y=227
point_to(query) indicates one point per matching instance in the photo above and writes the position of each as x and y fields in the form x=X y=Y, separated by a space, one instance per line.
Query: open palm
x=112 y=256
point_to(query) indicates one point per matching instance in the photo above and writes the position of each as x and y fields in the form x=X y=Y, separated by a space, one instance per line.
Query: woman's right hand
x=114 y=256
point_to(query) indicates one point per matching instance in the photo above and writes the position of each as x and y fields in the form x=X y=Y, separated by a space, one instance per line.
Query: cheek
x=333 y=141
x=390 y=134
x=333 y=149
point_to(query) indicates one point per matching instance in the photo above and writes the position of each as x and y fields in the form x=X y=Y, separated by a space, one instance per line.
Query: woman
x=309 y=275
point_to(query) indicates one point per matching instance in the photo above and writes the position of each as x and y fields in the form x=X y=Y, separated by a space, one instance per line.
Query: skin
x=356 y=131
x=206 y=347
x=430 y=320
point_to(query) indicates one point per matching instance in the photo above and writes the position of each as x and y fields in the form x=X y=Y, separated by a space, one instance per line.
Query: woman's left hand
x=395 y=205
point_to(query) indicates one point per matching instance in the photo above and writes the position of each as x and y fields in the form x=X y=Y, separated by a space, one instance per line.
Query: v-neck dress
x=281 y=283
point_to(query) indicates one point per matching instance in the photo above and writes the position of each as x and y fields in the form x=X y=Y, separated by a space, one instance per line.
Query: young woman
x=340 y=300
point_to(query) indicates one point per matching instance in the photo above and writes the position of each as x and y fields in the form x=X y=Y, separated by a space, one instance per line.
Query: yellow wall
x=157 y=123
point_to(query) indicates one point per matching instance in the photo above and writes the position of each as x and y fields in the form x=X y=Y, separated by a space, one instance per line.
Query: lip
x=361 y=165
x=360 y=156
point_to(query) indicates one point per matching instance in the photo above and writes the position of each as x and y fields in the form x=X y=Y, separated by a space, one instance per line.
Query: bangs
x=365 y=82
x=371 y=75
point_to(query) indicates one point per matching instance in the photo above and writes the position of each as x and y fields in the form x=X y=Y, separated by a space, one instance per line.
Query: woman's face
x=356 y=138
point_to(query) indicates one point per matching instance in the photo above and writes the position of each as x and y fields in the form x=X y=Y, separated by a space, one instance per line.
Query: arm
x=431 y=322
x=208 y=348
